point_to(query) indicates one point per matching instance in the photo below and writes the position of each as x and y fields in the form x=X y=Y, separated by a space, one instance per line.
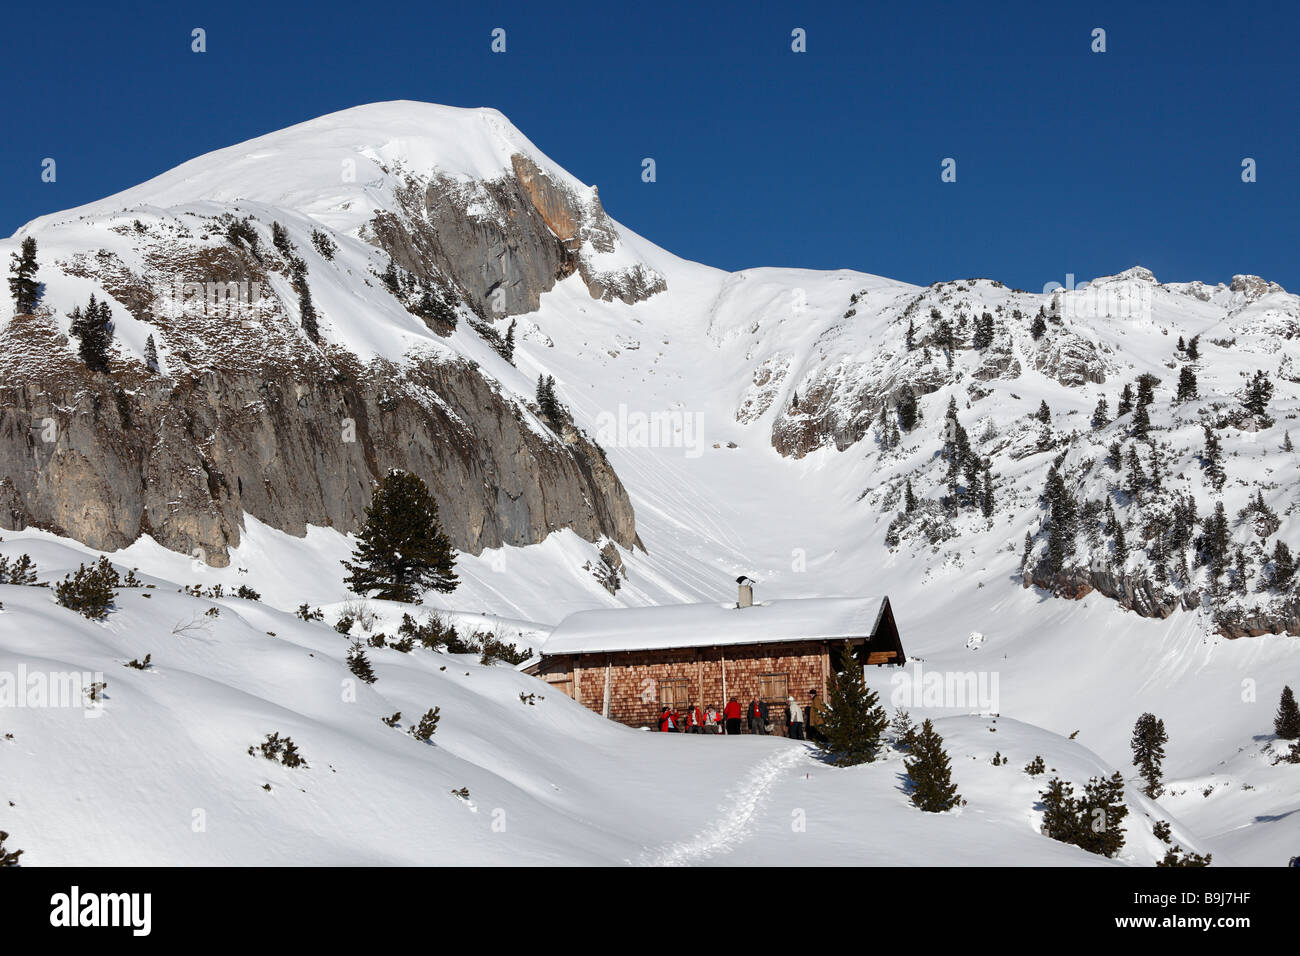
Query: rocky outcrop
x=1135 y=592
x=105 y=460
x=1139 y=594
x=503 y=243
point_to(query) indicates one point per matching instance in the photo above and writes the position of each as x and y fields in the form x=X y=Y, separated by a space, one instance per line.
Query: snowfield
x=765 y=458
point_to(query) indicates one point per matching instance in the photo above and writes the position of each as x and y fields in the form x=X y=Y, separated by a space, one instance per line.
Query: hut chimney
x=746 y=587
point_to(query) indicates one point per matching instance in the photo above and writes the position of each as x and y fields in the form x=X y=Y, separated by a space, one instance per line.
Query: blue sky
x=1068 y=161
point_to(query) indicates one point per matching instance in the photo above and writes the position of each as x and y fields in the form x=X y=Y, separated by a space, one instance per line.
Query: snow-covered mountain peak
x=340 y=167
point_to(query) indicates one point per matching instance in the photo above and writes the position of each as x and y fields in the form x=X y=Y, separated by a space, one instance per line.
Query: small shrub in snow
x=8 y=857
x=140 y=665
x=463 y=793
x=96 y=691
x=392 y=721
x=344 y=624
x=307 y=614
x=493 y=649
x=1172 y=858
x=428 y=724
x=405 y=645
x=529 y=699
x=1035 y=767
x=902 y=730
x=280 y=750
x=90 y=590
x=21 y=571
x=247 y=593
x=378 y=640
x=1161 y=831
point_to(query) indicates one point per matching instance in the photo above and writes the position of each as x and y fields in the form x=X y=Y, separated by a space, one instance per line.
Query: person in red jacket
x=694 y=720
x=666 y=722
x=755 y=712
x=732 y=714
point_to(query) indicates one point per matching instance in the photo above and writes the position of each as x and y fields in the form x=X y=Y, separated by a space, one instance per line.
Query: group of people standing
x=755 y=717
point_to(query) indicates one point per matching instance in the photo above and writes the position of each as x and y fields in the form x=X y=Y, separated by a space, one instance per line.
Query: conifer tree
x=1062 y=521
x=306 y=309
x=986 y=491
x=1212 y=460
x=1156 y=477
x=1115 y=455
x=1186 y=384
x=151 y=354
x=1044 y=413
x=1287 y=722
x=546 y=400
x=909 y=498
x=1101 y=811
x=1148 y=743
x=1125 y=401
x=1146 y=388
x=359 y=664
x=509 y=349
x=1193 y=349
x=1140 y=427
x=1286 y=442
x=1283 y=567
x=1259 y=391
x=401 y=550
x=910 y=338
x=1216 y=539
x=93 y=329
x=903 y=730
x=928 y=768
x=22 y=282
x=1121 y=544
x=390 y=278
x=1241 y=572
x=852 y=718
x=1101 y=415
x=1060 y=821
x=1039 y=326
x=907 y=410
x=1137 y=479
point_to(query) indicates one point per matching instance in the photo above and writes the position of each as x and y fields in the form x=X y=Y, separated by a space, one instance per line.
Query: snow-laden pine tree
x=929 y=770
x=401 y=550
x=1148 y=743
x=852 y=719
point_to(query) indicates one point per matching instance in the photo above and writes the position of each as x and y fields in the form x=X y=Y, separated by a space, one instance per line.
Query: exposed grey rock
x=183 y=459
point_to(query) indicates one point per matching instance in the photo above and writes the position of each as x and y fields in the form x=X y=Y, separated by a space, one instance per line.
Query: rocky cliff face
x=504 y=242
x=104 y=459
x=246 y=413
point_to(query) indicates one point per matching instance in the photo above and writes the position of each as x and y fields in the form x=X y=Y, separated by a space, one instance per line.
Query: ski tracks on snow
x=738 y=811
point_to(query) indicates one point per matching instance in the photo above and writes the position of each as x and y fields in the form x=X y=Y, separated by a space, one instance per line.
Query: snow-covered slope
x=742 y=412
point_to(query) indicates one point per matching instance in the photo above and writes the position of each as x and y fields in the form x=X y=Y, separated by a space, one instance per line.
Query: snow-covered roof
x=714 y=625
